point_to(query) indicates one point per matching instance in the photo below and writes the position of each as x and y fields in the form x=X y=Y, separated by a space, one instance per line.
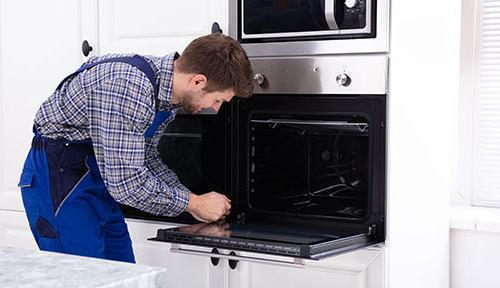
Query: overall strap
x=141 y=64
x=160 y=117
x=137 y=61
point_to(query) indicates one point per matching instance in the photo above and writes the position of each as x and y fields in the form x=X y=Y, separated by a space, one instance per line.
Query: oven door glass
x=297 y=18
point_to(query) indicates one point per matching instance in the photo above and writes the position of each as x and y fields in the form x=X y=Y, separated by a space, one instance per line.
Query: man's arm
x=119 y=112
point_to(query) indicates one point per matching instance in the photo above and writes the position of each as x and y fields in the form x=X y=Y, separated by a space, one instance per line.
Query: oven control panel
x=321 y=75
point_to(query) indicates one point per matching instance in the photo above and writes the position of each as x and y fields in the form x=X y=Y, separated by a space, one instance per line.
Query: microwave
x=309 y=27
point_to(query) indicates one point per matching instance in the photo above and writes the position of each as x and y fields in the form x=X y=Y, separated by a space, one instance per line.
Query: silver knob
x=343 y=79
x=350 y=3
x=259 y=79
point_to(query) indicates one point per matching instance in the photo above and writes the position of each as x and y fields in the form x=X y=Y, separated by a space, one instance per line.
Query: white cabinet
x=155 y=27
x=182 y=270
x=359 y=269
x=15 y=231
x=363 y=268
x=39 y=45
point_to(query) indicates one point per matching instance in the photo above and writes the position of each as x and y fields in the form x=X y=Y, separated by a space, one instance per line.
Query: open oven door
x=269 y=238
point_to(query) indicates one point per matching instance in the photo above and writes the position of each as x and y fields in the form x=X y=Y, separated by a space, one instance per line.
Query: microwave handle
x=330 y=14
x=297 y=262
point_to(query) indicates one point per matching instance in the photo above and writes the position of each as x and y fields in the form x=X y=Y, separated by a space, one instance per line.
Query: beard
x=189 y=103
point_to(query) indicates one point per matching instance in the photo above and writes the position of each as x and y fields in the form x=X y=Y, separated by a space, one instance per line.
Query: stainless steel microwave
x=309 y=27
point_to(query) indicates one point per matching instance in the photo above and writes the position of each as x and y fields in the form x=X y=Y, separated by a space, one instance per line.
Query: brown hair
x=222 y=60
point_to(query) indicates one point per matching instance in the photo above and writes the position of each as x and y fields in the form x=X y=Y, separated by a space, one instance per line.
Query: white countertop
x=25 y=268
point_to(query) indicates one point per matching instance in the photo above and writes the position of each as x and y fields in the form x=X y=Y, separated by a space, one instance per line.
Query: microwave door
x=266 y=238
x=294 y=18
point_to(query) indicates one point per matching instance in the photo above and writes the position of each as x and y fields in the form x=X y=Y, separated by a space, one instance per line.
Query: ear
x=198 y=81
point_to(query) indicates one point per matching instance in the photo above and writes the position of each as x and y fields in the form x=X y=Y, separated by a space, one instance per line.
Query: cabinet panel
x=155 y=26
x=183 y=270
x=15 y=231
x=359 y=269
x=261 y=275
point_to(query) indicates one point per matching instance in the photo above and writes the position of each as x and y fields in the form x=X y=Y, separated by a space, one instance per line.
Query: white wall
x=475 y=233
x=423 y=102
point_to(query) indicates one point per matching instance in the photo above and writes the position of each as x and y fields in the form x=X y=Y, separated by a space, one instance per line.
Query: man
x=96 y=138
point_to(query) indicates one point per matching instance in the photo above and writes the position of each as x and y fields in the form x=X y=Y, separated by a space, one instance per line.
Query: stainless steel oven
x=309 y=27
x=304 y=160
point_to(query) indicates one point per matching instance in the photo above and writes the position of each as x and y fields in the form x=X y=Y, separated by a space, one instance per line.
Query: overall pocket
x=30 y=199
x=40 y=227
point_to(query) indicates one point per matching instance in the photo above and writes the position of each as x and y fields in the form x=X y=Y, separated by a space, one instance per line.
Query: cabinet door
x=39 y=45
x=183 y=270
x=156 y=27
x=15 y=231
x=359 y=269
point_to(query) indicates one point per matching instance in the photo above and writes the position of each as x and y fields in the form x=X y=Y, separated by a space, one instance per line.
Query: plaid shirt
x=113 y=104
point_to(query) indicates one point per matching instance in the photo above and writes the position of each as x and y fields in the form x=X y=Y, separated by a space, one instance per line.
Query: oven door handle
x=297 y=262
x=330 y=15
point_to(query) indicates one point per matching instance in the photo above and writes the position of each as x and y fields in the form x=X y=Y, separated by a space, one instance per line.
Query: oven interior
x=311 y=158
x=309 y=165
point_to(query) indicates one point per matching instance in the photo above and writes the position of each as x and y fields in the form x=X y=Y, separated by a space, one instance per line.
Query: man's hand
x=209 y=207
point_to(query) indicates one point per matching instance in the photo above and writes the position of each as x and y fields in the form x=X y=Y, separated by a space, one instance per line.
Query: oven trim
x=375 y=218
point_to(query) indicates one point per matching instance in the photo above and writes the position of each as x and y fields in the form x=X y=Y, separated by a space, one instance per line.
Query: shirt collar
x=166 y=82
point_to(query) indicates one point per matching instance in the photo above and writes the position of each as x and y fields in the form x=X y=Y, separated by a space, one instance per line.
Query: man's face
x=195 y=101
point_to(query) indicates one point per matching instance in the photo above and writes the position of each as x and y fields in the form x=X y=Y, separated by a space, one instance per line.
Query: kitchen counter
x=25 y=268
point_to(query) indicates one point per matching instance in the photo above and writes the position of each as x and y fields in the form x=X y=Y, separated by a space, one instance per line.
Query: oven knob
x=259 y=79
x=343 y=79
x=351 y=3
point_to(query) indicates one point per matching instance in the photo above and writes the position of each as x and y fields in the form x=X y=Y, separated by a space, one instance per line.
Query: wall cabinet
x=153 y=27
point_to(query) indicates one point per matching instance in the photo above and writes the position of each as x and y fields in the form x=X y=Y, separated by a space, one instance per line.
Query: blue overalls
x=67 y=204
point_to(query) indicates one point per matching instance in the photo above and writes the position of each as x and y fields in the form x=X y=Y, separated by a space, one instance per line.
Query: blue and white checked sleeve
x=162 y=171
x=118 y=118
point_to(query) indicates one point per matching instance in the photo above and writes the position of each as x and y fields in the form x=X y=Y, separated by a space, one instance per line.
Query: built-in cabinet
x=42 y=44
x=361 y=269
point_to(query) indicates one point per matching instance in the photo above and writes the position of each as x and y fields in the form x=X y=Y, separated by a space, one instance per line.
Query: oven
x=309 y=27
x=304 y=160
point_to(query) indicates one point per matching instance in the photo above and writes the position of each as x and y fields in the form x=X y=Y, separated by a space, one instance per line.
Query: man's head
x=211 y=70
